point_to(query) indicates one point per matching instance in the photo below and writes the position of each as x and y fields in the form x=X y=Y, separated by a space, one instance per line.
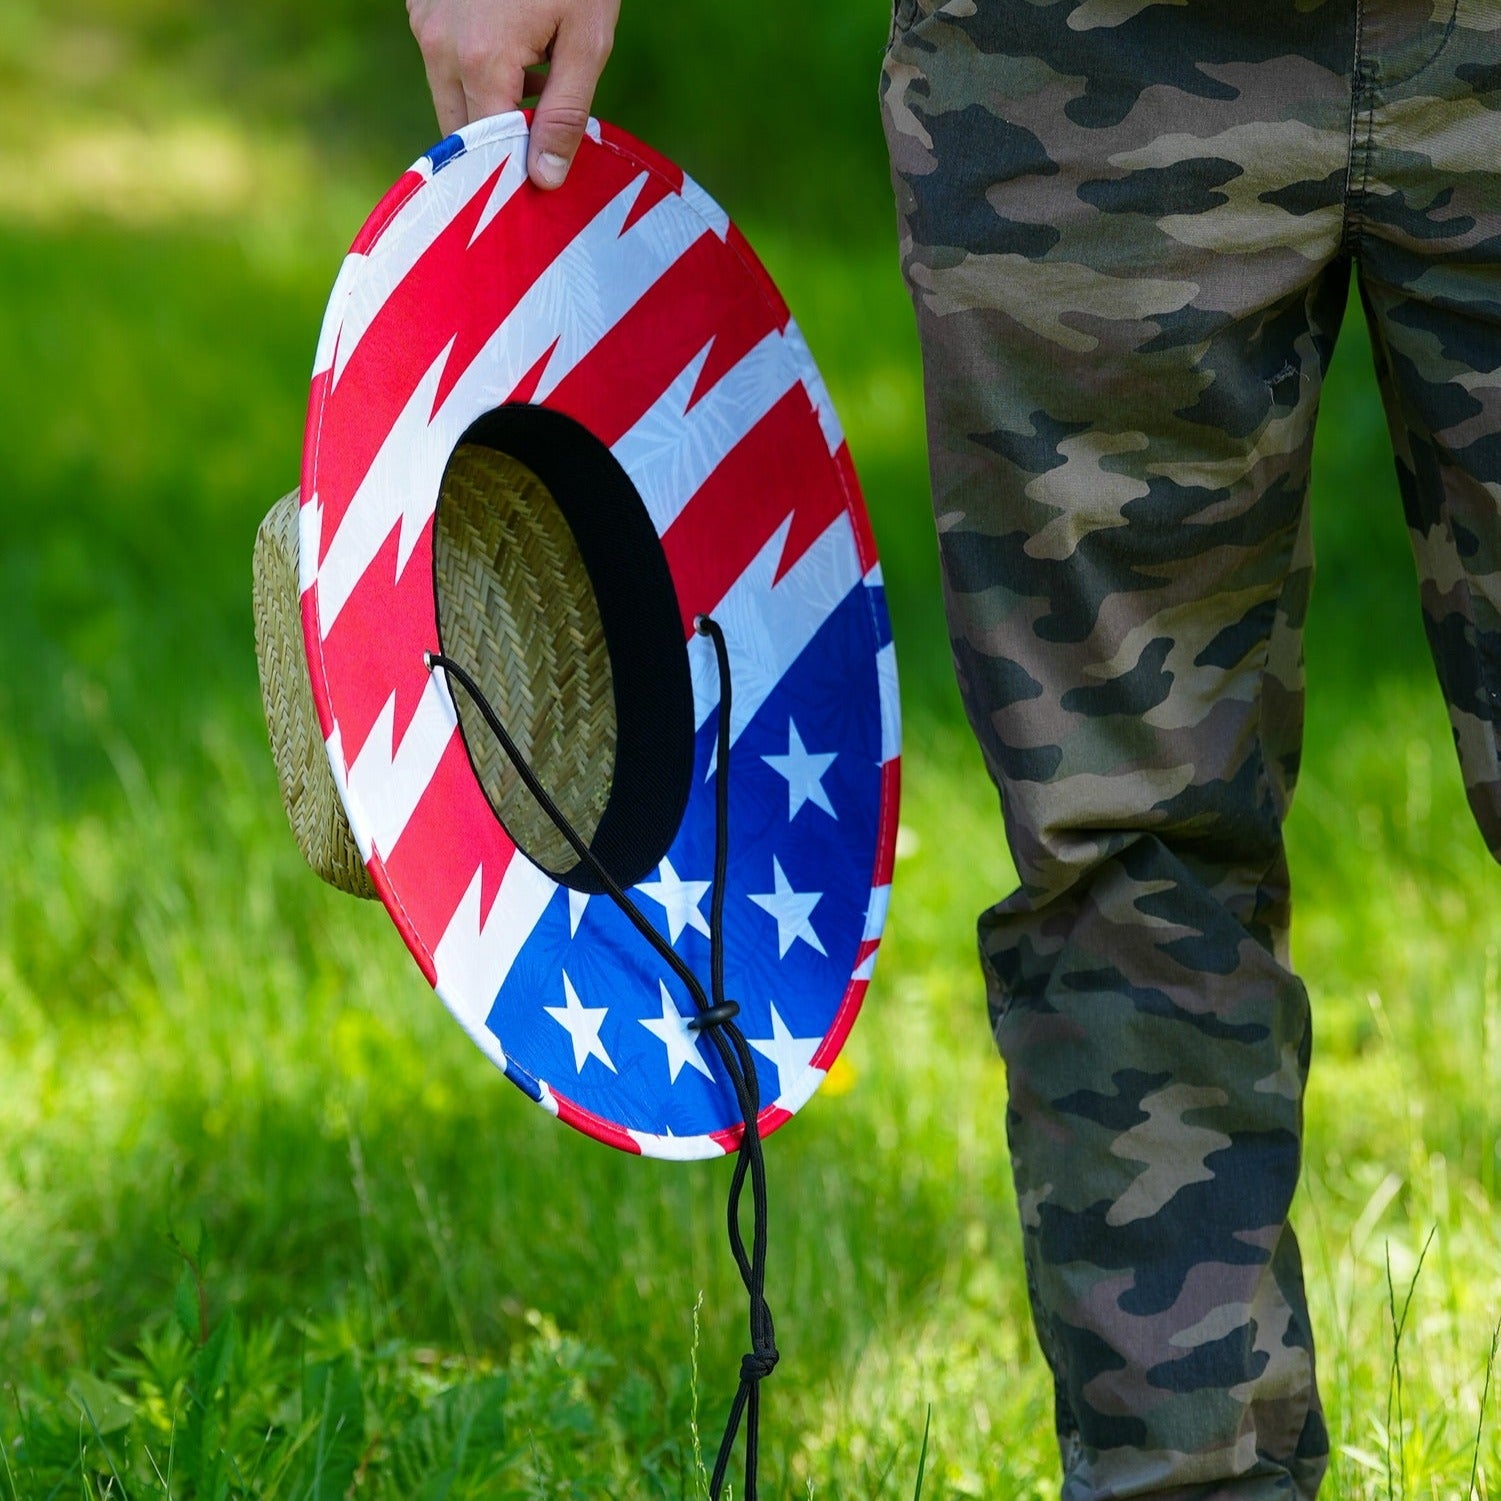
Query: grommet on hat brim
x=619 y=340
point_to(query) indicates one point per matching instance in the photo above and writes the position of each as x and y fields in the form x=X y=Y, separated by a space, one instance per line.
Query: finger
x=578 y=58
x=442 y=69
x=492 y=83
x=448 y=101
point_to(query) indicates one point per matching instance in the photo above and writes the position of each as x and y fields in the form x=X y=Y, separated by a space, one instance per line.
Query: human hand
x=477 y=53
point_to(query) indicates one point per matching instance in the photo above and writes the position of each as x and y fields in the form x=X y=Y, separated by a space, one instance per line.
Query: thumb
x=562 y=112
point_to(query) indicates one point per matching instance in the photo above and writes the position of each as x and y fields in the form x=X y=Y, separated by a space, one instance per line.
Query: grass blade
x=1490 y=1365
x=922 y=1458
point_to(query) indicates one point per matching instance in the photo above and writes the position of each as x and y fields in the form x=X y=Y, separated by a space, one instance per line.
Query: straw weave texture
x=516 y=608
x=307 y=783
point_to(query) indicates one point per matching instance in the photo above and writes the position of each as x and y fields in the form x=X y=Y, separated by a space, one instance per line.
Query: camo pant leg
x=1425 y=223
x=1122 y=226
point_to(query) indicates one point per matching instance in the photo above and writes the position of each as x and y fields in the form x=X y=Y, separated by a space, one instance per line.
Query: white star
x=791 y=1055
x=582 y=1024
x=677 y=1037
x=791 y=910
x=679 y=899
x=804 y=774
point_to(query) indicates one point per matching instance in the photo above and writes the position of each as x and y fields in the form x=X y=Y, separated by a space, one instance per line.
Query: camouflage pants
x=1128 y=228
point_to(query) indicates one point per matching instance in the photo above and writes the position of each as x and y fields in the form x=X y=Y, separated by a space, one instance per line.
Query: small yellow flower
x=841 y=1077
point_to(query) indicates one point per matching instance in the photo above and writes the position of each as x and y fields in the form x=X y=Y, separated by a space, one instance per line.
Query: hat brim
x=628 y=303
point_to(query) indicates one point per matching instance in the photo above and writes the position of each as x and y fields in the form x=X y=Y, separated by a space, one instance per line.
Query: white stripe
x=768 y=625
x=490 y=128
x=401 y=485
x=599 y=284
x=891 y=706
x=340 y=767
x=833 y=434
x=386 y=785
x=672 y=451
x=705 y=207
x=472 y=962
x=512 y=175
x=803 y=1088
x=333 y=318
x=309 y=543
x=433 y=206
x=676 y=1148
x=875 y=914
x=571 y=303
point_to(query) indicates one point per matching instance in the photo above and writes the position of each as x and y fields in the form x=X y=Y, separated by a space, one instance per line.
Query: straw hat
x=546 y=432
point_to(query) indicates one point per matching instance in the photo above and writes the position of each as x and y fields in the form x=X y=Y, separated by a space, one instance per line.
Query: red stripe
x=595 y=1126
x=518 y=245
x=395 y=352
x=865 y=541
x=767 y=1122
x=849 y=1007
x=844 y=1019
x=668 y=172
x=526 y=387
x=780 y=467
x=392 y=904
x=694 y=301
x=386 y=210
x=317 y=395
x=375 y=646
x=309 y=607
x=771 y=311
x=891 y=795
x=455 y=291
x=653 y=191
x=752 y=263
x=452 y=833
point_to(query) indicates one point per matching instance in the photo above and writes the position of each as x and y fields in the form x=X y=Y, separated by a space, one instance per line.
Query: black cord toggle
x=716 y=1021
x=715 y=1016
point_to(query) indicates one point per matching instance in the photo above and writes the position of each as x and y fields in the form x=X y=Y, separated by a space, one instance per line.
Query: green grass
x=411 y=1277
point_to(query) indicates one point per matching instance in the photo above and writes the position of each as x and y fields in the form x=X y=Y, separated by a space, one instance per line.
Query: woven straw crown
x=515 y=605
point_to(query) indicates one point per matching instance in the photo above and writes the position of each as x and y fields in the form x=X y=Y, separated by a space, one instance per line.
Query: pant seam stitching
x=1363 y=76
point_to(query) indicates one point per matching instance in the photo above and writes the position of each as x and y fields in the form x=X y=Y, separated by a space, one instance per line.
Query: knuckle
x=474 y=54
x=432 y=39
x=423 y=21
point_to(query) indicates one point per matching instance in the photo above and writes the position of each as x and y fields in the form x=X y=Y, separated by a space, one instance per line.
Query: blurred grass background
x=194 y=1034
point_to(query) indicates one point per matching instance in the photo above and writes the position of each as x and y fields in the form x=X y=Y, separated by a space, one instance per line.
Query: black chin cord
x=716 y=1018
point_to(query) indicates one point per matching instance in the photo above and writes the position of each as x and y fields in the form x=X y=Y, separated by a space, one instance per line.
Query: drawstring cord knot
x=758 y=1364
